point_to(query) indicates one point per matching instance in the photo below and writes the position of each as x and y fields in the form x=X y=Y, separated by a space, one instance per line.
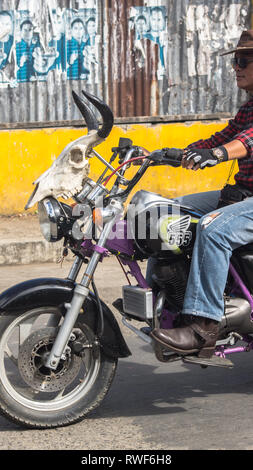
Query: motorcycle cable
x=230 y=171
x=123 y=269
x=140 y=157
x=119 y=167
x=134 y=180
x=114 y=155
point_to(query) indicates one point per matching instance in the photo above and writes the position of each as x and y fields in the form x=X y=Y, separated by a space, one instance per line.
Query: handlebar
x=138 y=175
x=125 y=151
x=170 y=162
x=121 y=166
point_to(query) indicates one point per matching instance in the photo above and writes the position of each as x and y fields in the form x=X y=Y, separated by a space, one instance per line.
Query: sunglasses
x=242 y=62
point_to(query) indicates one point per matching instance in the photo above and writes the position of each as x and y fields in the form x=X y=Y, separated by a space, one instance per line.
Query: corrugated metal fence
x=145 y=58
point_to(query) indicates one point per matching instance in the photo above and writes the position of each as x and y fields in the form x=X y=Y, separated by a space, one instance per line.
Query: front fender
x=43 y=292
x=35 y=293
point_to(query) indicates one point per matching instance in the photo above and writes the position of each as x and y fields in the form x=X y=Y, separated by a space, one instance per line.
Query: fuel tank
x=161 y=227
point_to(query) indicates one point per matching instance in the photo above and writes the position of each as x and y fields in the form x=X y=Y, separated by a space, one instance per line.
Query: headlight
x=54 y=221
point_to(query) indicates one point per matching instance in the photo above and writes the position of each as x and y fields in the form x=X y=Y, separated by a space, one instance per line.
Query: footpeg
x=164 y=355
x=214 y=361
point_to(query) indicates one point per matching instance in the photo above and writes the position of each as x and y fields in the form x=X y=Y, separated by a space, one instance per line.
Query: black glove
x=167 y=155
x=206 y=157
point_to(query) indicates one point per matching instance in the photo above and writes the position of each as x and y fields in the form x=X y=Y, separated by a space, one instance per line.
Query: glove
x=166 y=155
x=205 y=157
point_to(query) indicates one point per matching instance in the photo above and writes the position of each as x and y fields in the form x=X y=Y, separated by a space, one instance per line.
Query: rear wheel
x=32 y=394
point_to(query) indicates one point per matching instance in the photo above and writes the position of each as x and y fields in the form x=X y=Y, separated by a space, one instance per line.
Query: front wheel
x=33 y=395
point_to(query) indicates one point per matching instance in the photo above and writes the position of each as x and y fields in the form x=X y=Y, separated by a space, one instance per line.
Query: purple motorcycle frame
x=124 y=245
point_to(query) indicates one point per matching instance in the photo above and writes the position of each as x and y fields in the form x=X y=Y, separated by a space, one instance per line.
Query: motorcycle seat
x=243 y=248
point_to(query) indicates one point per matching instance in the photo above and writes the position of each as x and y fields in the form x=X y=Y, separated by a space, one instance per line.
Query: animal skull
x=67 y=174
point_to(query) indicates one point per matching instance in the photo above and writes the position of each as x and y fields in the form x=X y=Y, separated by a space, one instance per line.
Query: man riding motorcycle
x=223 y=227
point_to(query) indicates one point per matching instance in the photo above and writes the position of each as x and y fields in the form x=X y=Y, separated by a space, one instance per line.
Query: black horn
x=105 y=112
x=86 y=112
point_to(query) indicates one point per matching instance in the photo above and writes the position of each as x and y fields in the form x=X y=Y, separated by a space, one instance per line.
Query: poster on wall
x=150 y=23
x=166 y=50
x=81 y=44
x=67 y=44
x=7 y=63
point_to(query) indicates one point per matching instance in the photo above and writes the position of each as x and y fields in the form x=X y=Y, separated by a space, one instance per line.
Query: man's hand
x=73 y=57
x=194 y=159
x=167 y=155
x=23 y=59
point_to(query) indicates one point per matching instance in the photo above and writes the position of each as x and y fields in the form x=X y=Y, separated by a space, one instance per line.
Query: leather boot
x=197 y=335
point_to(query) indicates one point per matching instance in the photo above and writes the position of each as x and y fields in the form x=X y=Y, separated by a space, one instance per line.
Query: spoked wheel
x=35 y=396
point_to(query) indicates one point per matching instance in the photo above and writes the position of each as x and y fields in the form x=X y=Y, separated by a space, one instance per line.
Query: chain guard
x=31 y=359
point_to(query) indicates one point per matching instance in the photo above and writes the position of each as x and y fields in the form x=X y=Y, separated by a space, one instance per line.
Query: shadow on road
x=150 y=388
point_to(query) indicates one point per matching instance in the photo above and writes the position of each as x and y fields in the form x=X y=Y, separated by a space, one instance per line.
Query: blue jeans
x=219 y=232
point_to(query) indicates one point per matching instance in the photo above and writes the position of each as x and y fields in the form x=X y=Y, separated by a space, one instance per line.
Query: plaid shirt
x=239 y=128
x=6 y=49
x=76 y=69
x=27 y=71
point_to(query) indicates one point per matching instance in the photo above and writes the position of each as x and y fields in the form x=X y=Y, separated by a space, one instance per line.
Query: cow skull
x=67 y=174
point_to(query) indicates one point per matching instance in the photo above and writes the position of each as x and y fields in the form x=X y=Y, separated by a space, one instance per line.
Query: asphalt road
x=150 y=405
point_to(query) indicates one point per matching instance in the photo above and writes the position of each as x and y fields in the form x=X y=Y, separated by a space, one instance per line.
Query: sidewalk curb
x=28 y=252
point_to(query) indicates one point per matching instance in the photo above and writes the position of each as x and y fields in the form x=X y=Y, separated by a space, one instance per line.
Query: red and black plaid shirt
x=239 y=128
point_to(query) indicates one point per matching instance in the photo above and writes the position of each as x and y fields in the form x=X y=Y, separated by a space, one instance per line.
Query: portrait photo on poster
x=150 y=23
x=66 y=44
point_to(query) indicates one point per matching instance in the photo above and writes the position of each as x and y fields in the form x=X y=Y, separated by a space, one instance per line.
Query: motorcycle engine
x=237 y=317
x=172 y=276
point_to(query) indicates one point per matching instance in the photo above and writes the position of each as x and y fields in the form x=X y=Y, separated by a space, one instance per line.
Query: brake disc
x=31 y=363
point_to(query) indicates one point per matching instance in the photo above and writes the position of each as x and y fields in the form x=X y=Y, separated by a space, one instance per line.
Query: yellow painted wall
x=25 y=154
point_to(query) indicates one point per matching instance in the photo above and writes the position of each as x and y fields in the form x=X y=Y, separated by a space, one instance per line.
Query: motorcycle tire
x=32 y=395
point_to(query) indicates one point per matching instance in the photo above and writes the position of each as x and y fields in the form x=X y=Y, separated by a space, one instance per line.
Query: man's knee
x=208 y=223
x=210 y=228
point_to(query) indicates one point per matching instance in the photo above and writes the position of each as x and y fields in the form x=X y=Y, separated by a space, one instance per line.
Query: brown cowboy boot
x=197 y=335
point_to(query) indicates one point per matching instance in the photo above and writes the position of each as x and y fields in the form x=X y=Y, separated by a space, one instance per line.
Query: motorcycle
x=59 y=342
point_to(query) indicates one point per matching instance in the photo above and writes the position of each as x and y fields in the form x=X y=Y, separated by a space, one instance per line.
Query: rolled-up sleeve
x=239 y=128
x=246 y=137
x=219 y=138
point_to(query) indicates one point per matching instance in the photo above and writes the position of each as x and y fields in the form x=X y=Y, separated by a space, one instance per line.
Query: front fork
x=81 y=292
